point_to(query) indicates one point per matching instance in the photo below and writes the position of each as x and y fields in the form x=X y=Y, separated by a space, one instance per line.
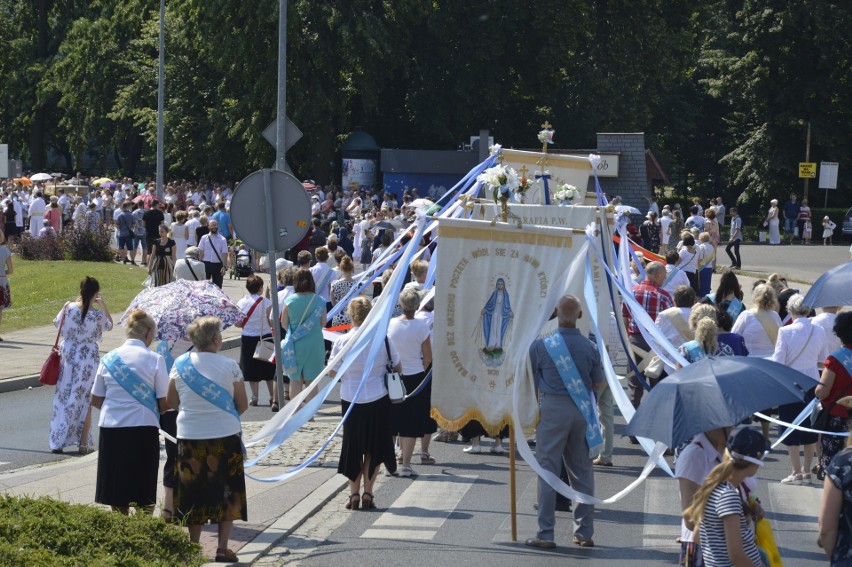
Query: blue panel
x=428 y=185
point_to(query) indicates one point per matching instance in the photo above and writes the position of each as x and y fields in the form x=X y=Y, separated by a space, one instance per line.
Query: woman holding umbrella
x=161 y=262
x=836 y=383
x=801 y=346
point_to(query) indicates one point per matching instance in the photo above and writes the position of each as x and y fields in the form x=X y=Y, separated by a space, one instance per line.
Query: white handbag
x=265 y=349
x=396 y=389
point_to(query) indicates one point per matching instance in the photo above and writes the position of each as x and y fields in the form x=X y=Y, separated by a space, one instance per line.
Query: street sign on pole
x=293 y=133
x=828 y=177
x=4 y=161
x=807 y=170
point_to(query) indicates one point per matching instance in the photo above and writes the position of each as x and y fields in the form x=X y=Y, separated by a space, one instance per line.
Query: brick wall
x=632 y=183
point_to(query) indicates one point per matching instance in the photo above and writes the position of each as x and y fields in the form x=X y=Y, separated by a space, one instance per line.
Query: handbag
x=393 y=381
x=149 y=281
x=49 y=374
x=265 y=349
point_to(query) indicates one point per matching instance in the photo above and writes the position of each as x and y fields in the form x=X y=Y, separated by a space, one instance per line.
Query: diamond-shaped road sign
x=292 y=134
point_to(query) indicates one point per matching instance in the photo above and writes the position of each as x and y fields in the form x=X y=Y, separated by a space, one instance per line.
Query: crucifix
x=545 y=137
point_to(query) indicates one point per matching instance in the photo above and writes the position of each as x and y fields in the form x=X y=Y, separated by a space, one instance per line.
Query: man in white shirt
x=674 y=321
x=64 y=203
x=720 y=211
x=665 y=221
x=826 y=321
x=190 y=268
x=193 y=223
x=214 y=250
x=323 y=273
x=675 y=277
x=695 y=219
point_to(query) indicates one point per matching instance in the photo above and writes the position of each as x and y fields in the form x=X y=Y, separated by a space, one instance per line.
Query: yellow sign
x=807 y=170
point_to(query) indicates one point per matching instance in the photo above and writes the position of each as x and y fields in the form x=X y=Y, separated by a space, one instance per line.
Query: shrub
x=82 y=244
x=29 y=247
x=48 y=532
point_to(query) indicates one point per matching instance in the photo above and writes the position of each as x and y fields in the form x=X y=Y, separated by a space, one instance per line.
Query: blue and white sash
x=164 y=351
x=735 y=308
x=561 y=356
x=305 y=326
x=325 y=278
x=204 y=387
x=694 y=350
x=671 y=275
x=141 y=391
x=844 y=357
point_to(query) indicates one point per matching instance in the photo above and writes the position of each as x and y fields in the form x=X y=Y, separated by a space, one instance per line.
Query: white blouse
x=801 y=345
x=374 y=387
x=756 y=340
x=408 y=336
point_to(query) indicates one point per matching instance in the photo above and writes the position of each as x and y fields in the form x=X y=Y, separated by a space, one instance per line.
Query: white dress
x=80 y=358
x=180 y=235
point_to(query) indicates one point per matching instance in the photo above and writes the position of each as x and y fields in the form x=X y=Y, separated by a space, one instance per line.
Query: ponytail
x=695 y=512
x=89 y=288
x=706 y=334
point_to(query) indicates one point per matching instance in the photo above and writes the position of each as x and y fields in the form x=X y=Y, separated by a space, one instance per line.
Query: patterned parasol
x=175 y=305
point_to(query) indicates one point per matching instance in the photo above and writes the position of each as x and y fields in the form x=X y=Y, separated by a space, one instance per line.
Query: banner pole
x=513 y=505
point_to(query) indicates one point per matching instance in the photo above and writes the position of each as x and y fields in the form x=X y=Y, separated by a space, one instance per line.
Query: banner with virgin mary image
x=491 y=284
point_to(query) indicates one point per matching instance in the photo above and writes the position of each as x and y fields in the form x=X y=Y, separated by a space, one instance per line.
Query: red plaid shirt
x=653 y=298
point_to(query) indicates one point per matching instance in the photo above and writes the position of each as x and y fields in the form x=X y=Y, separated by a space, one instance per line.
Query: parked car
x=847 y=223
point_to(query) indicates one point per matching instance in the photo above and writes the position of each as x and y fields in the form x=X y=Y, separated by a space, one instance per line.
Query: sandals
x=354 y=502
x=274 y=407
x=167 y=516
x=226 y=556
x=427 y=459
x=253 y=402
x=85 y=450
x=367 y=502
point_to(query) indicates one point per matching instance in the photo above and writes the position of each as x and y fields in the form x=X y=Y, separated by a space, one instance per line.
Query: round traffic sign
x=290 y=205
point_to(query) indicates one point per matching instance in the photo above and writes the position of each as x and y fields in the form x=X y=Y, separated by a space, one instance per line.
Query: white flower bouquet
x=502 y=180
x=567 y=193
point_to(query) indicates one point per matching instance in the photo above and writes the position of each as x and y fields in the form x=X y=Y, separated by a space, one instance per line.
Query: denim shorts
x=125 y=242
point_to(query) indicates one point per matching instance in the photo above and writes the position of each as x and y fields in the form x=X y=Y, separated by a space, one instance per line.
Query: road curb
x=31 y=381
x=291 y=520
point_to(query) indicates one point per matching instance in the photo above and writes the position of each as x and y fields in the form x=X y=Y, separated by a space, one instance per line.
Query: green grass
x=40 y=288
x=46 y=532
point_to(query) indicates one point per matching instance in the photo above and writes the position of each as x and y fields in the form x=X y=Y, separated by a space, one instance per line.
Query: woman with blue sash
x=836 y=383
x=303 y=316
x=729 y=290
x=130 y=391
x=208 y=391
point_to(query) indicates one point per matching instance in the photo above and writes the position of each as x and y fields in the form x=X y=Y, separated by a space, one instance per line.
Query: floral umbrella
x=175 y=305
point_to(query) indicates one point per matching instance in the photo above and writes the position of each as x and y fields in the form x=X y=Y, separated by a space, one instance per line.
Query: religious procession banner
x=491 y=286
x=576 y=217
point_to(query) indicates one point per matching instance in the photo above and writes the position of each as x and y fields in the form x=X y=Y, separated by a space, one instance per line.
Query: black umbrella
x=715 y=392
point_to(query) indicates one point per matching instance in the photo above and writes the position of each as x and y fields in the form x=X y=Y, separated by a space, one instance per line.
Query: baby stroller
x=242 y=264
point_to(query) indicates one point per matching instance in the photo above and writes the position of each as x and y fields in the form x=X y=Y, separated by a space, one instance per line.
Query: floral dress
x=80 y=357
x=840 y=473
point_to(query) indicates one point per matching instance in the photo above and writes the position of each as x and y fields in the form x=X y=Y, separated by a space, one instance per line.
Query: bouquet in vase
x=567 y=194
x=502 y=180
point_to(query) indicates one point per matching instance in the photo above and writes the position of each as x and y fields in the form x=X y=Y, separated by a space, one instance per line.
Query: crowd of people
x=347 y=232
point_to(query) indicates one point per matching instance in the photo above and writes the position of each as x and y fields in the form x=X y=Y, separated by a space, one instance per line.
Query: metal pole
x=807 y=156
x=281 y=120
x=161 y=90
x=513 y=490
x=270 y=251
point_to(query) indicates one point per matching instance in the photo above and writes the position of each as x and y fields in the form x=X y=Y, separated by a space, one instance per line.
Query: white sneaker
x=405 y=472
x=792 y=479
x=498 y=450
x=473 y=449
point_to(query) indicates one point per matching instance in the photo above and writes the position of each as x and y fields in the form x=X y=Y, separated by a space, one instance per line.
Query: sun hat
x=747 y=444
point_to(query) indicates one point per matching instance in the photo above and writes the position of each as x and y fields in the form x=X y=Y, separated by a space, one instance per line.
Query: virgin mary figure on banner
x=495 y=322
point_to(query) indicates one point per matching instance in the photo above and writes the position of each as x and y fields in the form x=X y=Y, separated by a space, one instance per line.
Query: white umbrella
x=628 y=209
x=41 y=177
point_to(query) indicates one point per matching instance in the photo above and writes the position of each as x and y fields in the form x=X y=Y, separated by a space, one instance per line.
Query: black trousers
x=214 y=272
x=736 y=246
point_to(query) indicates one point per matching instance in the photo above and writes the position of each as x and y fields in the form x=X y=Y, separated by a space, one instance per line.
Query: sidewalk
x=23 y=352
x=274 y=509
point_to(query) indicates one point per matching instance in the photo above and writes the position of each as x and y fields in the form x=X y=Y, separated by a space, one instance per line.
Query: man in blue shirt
x=791 y=213
x=221 y=216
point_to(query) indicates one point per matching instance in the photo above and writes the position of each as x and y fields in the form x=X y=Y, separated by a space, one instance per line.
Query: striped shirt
x=724 y=501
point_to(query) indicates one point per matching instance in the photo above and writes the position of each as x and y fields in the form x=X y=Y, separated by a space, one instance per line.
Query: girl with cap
x=718 y=510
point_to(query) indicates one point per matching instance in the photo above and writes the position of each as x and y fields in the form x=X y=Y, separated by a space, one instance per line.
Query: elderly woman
x=340 y=288
x=759 y=325
x=81 y=325
x=367 y=433
x=256 y=326
x=801 y=346
x=411 y=417
x=130 y=390
x=836 y=383
x=303 y=316
x=207 y=390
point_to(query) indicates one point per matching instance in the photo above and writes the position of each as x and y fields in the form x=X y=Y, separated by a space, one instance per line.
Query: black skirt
x=788 y=413
x=254 y=370
x=411 y=418
x=128 y=460
x=367 y=431
x=474 y=429
x=168 y=423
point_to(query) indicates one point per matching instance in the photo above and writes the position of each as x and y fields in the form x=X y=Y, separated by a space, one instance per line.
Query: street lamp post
x=161 y=89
